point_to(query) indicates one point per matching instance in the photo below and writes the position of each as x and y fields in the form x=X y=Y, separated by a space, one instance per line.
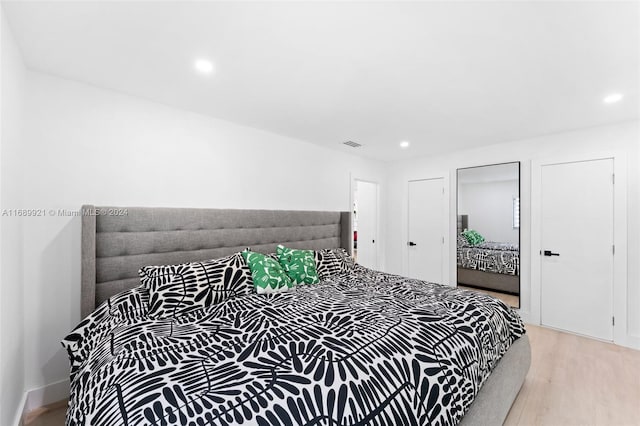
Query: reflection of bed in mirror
x=489 y=265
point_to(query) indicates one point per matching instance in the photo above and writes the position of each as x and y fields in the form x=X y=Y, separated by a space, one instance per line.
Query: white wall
x=622 y=138
x=12 y=349
x=489 y=206
x=88 y=145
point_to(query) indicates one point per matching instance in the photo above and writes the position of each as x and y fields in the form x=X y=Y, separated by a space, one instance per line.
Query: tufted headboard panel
x=463 y=222
x=117 y=241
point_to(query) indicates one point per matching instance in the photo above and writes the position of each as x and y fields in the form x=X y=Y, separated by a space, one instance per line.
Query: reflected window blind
x=516 y=212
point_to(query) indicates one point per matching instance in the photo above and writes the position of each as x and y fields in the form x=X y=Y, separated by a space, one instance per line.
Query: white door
x=366 y=221
x=426 y=229
x=576 y=274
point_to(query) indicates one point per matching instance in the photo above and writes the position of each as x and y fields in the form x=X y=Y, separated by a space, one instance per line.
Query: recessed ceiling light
x=203 y=66
x=404 y=144
x=613 y=98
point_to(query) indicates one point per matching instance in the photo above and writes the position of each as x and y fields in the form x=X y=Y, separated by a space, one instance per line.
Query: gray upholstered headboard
x=463 y=222
x=117 y=241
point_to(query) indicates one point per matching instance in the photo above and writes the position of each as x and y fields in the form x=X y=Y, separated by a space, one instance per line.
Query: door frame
x=379 y=241
x=446 y=277
x=620 y=335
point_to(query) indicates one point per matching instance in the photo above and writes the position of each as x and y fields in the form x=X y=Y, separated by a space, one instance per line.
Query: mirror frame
x=519 y=228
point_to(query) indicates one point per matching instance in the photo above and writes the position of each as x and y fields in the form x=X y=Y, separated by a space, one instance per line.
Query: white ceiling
x=444 y=76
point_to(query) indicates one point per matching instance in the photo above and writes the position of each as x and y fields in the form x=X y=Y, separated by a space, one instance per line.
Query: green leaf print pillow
x=473 y=237
x=268 y=276
x=299 y=265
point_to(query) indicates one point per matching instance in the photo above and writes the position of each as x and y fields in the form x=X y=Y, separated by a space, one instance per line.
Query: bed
x=488 y=265
x=361 y=347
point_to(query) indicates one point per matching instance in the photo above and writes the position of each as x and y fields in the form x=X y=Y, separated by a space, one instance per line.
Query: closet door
x=576 y=267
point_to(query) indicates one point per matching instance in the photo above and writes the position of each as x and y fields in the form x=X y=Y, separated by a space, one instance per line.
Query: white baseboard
x=632 y=341
x=17 y=419
x=48 y=394
x=39 y=397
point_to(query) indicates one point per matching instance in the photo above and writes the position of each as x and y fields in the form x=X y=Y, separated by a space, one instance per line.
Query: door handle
x=550 y=253
x=411 y=244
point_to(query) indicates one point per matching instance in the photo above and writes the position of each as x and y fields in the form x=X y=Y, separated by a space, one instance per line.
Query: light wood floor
x=578 y=381
x=50 y=415
x=572 y=381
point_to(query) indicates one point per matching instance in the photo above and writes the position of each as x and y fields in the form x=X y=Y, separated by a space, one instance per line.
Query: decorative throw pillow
x=473 y=237
x=462 y=240
x=331 y=262
x=175 y=290
x=299 y=265
x=347 y=262
x=268 y=276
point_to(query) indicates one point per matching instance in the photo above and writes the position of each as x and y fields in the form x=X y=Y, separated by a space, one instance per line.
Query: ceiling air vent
x=352 y=144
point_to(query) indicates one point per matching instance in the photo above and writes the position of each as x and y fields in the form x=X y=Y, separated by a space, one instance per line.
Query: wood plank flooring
x=578 y=381
x=572 y=381
x=49 y=415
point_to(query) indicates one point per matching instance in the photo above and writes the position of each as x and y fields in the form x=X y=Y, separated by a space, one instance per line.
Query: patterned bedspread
x=491 y=245
x=363 y=347
x=500 y=258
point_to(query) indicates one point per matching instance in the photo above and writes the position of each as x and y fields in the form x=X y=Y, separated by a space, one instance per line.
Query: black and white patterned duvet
x=360 y=348
x=499 y=258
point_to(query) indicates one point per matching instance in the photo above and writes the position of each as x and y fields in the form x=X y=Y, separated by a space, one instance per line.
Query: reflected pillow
x=473 y=237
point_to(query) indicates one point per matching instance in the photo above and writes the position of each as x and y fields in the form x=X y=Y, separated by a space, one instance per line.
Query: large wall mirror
x=488 y=230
